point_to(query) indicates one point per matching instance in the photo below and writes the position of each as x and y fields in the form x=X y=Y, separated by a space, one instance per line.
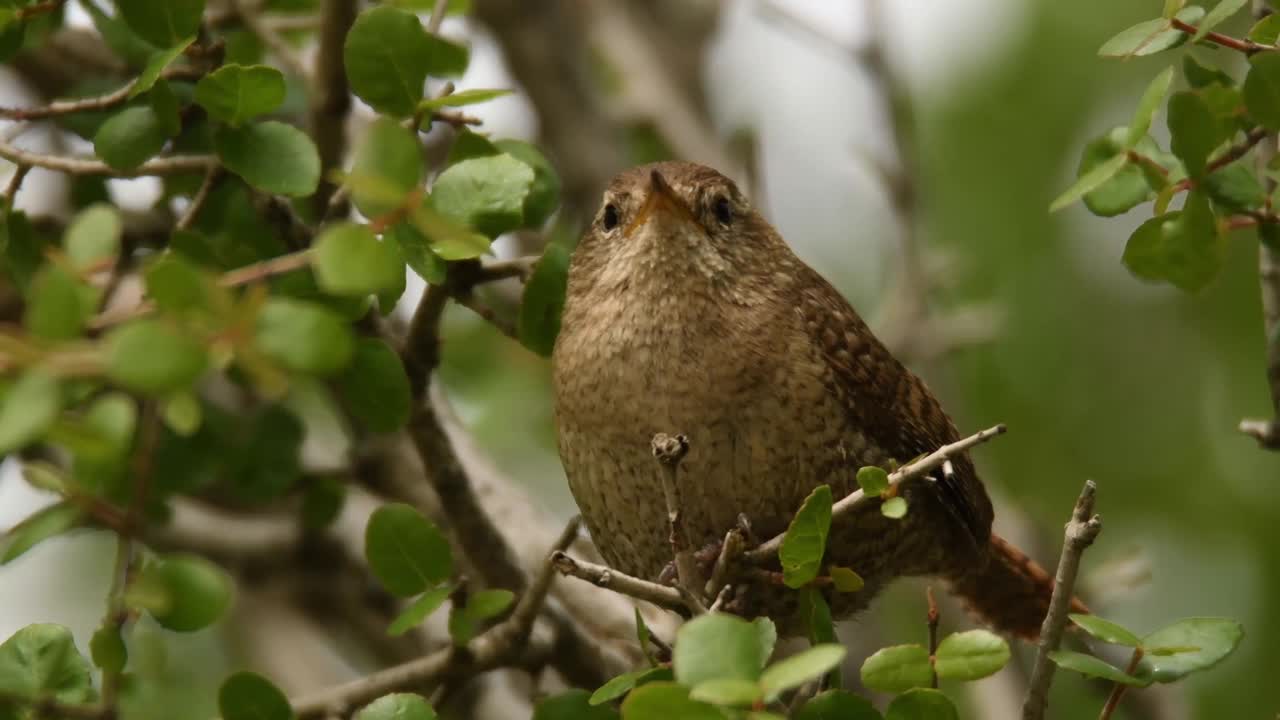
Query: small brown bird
x=687 y=313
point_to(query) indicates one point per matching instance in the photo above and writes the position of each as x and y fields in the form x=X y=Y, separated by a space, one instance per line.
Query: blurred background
x=1010 y=314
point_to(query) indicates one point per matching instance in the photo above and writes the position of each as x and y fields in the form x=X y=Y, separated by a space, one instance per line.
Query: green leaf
x=1181 y=247
x=572 y=705
x=1151 y=99
x=1266 y=30
x=469 y=144
x=417 y=253
x=182 y=592
x=643 y=636
x=971 y=655
x=873 y=480
x=1201 y=76
x=270 y=156
x=1089 y=181
x=838 y=705
x=465 y=622
x=922 y=704
x=898 y=668
x=406 y=552
x=387 y=167
x=894 y=508
x=235 y=93
x=30 y=407
x=162 y=24
x=544 y=193
x=304 y=336
x=1090 y=666
x=375 y=388
x=1235 y=187
x=1151 y=36
x=447 y=239
x=1128 y=187
x=667 y=701
x=1105 y=630
x=159 y=60
x=767 y=634
x=815 y=616
x=1171 y=7
x=806 y=539
x=621 y=685
x=129 y=138
x=460 y=98
x=1194 y=129
x=107 y=648
x=846 y=580
x=1262 y=89
x=388 y=55
x=42 y=661
x=397 y=706
x=1219 y=13
x=59 y=304
x=1207 y=640
x=726 y=691
x=249 y=696
x=37 y=527
x=176 y=285
x=21 y=249
x=800 y=669
x=543 y=300
x=151 y=356
x=716 y=646
x=323 y=502
x=418 y=610
x=93 y=237
x=486 y=193
x=350 y=260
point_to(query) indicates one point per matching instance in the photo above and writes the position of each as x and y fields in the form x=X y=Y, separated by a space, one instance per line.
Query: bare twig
x=500 y=645
x=1080 y=533
x=437 y=16
x=730 y=550
x=166 y=165
x=768 y=550
x=252 y=19
x=89 y=104
x=669 y=451
x=15 y=183
x=661 y=595
x=1118 y=690
x=198 y=201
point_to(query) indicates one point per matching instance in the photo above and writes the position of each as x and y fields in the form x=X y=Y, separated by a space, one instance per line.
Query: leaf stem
x=1119 y=689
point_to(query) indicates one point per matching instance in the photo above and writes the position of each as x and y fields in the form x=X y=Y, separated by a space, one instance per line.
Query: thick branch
x=331 y=95
x=1080 y=533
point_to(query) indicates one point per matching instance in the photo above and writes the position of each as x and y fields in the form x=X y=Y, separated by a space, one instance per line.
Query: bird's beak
x=663 y=206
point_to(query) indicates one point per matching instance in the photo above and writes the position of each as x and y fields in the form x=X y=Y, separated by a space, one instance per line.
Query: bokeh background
x=1096 y=374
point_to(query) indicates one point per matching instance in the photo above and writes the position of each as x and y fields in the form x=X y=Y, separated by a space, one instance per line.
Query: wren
x=686 y=312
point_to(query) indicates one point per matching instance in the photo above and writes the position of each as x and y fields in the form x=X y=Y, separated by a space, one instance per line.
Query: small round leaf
x=717 y=646
x=922 y=704
x=971 y=655
x=397 y=706
x=898 y=668
x=249 y=696
x=405 y=550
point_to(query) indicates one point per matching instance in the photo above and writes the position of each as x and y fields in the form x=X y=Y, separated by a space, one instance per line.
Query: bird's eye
x=723 y=210
x=610 y=216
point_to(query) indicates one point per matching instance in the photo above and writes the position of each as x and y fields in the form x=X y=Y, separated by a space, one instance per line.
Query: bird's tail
x=1011 y=592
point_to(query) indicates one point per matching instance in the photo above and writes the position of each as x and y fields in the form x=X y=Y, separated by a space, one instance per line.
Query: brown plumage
x=687 y=313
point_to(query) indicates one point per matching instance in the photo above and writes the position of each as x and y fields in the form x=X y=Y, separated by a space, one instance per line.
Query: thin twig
x=166 y=165
x=270 y=38
x=669 y=450
x=437 y=16
x=1080 y=533
x=500 y=645
x=15 y=183
x=730 y=550
x=601 y=576
x=198 y=201
x=1245 y=46
x=1118 y=690
x=1228 y=156
x=89 y=104
x=768 y=550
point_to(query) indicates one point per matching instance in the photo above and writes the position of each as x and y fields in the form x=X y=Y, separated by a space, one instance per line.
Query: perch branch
x=610 y=579
x=166 y=165
x=1081 y=531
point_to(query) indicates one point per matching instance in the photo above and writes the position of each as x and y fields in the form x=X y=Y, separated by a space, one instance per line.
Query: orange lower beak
x=662 y=203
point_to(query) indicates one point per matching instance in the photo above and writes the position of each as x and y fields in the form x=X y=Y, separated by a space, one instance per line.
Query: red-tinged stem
x=1244 y=46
